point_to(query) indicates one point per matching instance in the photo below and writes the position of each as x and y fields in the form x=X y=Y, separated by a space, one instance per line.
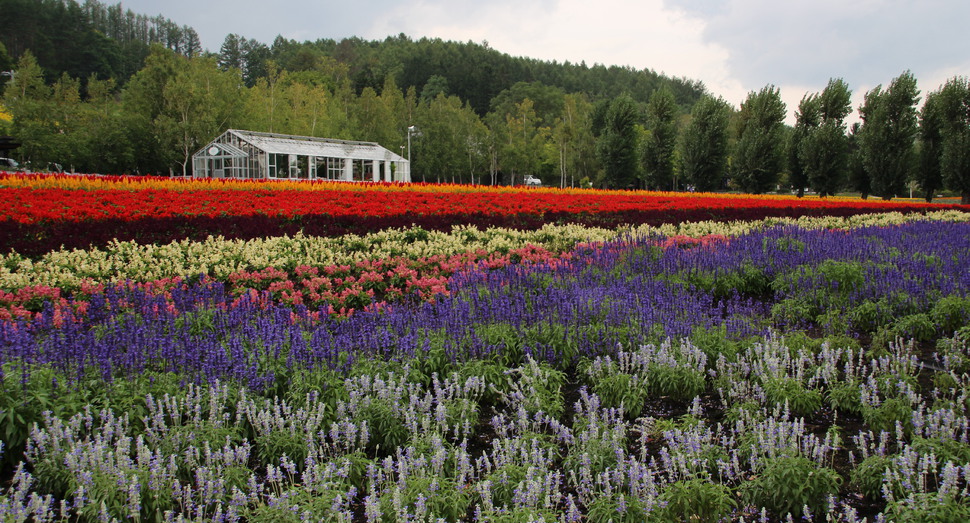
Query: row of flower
x=636 y=379
x=44 y=213
x=340 y=274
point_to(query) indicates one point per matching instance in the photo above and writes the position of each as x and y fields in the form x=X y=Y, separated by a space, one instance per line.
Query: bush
x=787 y=484
x=697 y=500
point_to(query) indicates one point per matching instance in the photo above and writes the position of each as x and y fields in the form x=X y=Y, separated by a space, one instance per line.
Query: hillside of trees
x=127 y=93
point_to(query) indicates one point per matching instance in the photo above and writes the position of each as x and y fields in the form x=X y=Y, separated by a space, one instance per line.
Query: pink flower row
x=336 y=289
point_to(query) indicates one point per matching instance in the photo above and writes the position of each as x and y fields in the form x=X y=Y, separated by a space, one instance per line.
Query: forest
x=130 y=94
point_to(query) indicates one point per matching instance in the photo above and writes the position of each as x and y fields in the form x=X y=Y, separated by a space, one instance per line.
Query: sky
x=733 y=46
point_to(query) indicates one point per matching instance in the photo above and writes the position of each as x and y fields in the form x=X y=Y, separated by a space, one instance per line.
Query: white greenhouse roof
x=311 y=146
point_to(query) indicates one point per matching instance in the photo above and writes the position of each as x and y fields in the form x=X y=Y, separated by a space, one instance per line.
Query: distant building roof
x=312 y=146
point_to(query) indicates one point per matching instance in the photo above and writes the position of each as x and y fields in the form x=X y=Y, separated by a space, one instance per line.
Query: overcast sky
x=732 y=46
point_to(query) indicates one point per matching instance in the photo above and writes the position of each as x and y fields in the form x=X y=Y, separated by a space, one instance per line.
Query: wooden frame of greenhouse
x=269 y=156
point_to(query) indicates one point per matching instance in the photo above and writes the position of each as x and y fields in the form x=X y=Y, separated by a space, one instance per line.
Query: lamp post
x=411 y=130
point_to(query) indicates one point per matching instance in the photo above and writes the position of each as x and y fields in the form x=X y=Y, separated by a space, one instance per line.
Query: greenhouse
x=255 y=155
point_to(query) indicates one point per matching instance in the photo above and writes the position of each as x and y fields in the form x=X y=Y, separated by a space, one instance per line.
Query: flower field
x=598 y=358
x=43 y=213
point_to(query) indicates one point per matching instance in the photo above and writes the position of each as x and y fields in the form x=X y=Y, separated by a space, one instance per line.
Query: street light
x=411 y=130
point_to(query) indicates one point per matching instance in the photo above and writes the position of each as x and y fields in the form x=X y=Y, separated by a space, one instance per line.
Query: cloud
x=865 y=42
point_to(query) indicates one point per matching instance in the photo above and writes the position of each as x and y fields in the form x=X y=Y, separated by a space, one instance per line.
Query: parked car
x=8 y=164
x=531 y=180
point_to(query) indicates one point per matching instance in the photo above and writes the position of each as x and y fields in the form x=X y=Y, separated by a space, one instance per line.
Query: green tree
x=955 y=154
x=575 y=144
x=231 y=53
x=178 y=104
x=617 y=145
x=106 y=146
x=27 y=99
x=143 y=102
x=6 y=63
x=823 y=150
x=888 y=134
x=659 y=149
x=200 y=102
x=859 y=179
x=931 y=125
x=435 y=85
x=374 y=122
x=451 y=146
x=806 y=120
x=759 y=154
x=517 y=140
x=704 y=145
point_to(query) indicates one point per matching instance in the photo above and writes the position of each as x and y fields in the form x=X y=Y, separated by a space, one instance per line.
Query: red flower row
x=30 y=206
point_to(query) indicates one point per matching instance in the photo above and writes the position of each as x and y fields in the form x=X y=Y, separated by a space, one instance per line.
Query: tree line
x=475 y=115
x=87 y=39
x=175 y=104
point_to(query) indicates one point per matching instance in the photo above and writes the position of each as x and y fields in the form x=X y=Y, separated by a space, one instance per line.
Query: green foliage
x=931 y=124
x=758 y=158
x=538 y=386
x=916 y=326
x=786 y=484
x=953 y=99
x=845 y=397
x=659 y=158
x=442 y=497
x=928 y=508
x=888 y=133
x=680 y=383
x=26 y=392
x=298 y=504
x=801 y=401
x=697 y=500
x=704 y=145
x=616 y=508
x=617 y=145
x=885 y=416
x=822 y=143
x=951 y=313
x=504 y=480
x=867 y=476
x=870 y=315
x=714 y=342
x=387 y=429
x=945 y=450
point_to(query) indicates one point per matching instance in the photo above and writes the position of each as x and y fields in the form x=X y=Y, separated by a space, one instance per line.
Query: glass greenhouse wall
x=268 y=156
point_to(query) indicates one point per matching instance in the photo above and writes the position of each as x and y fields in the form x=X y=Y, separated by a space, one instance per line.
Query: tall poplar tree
x=955 y=153
x=704 y=147
x=658 y=151
x=929 y=176
x=617 y=144
x=759 y=154
x=823 y=151
x=806 y=120
x=888 y=134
